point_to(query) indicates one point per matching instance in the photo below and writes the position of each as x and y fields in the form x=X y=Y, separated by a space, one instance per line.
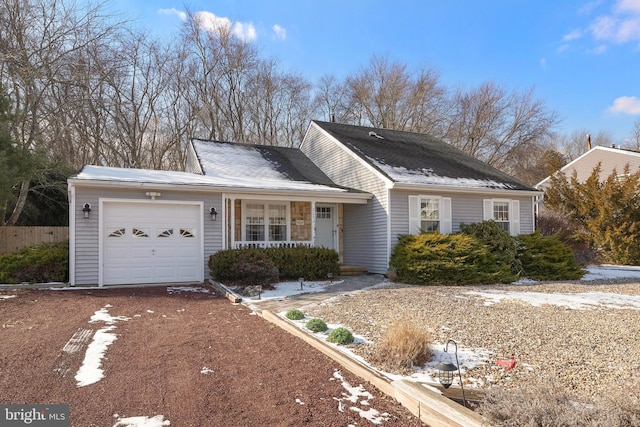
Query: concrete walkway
x=343 y=285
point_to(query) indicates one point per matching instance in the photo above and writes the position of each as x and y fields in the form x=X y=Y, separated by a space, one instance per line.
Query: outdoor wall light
x=86 y=209
x=446 y=372
x=213 y=212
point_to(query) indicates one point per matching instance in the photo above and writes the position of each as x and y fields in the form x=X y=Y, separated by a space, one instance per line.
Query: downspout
x=71 y=194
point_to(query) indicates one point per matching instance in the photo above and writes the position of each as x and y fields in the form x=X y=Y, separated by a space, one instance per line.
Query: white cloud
x=628 y=6
x=543 y=62
x=244 y=31
x=173 y=11
x=575 y=34
x=626 y=105
x=280 y=32
x=622 y=25
x=212 y=23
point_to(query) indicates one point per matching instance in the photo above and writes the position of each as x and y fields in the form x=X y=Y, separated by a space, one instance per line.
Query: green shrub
x=255 y=268
x=500 y=243
x=292 y=263
x=447 y=259
x=547 y=258
x=44 y=263
x=340 y=336
x=294 y=314
x=317 y=325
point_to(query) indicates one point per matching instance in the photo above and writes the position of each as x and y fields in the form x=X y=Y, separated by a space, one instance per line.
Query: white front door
x=151 y=242
x=326 y=225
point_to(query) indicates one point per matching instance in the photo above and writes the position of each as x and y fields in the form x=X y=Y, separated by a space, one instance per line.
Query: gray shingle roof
x=421 y=159
x=259 y=161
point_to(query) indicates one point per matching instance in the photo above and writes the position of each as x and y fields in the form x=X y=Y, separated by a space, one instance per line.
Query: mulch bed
x=193 y=358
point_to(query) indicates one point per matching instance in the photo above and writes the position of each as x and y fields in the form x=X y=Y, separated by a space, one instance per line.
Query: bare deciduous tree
x=387 y=95
x=495 y=125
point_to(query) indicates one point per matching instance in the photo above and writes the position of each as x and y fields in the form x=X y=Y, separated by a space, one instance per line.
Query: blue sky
x=581 y=57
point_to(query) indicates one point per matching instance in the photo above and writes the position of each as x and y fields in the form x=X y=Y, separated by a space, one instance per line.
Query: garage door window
x=166 y=233
x=137 y=232
x=187 y=233
x=116 y=232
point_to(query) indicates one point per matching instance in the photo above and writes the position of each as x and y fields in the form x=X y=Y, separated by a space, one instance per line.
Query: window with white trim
x=265 y=222
x=429 y=214
x=501 y=214
x=505 y=212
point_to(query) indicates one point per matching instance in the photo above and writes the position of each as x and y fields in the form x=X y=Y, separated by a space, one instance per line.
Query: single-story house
x=609 y=158
x=349 y=188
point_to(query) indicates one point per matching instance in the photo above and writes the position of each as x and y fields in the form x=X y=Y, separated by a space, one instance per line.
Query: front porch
x=264 y=223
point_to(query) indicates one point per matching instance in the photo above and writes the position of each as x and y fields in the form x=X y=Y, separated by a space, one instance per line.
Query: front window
x=265 y=222
x=277 y=223
x=501 y=214
x=430 y=214
x=254 y=220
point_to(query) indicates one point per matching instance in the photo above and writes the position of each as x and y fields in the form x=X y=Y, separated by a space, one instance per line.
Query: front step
x=346 y=270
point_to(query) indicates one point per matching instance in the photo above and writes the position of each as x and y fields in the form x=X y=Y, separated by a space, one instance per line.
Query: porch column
x=313 y=223
x=233 y=223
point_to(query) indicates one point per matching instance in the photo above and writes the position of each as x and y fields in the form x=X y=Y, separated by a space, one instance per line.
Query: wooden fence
x=14 y=238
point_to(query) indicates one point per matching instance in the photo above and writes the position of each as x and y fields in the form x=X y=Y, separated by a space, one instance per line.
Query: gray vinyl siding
x=465 y=209
x=365 y=226
x=192 y=164
x=86 y=230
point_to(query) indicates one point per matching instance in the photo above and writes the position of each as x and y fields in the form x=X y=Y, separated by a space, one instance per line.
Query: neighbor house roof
x=419 y=159
x=609 y=158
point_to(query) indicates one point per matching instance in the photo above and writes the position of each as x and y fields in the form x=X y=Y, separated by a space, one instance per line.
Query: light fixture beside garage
x=86 y=209
x=153 y=194
x=214 y=213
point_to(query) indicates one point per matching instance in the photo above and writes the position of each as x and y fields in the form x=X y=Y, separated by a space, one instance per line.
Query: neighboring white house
x=609 y=158
x=349 y=188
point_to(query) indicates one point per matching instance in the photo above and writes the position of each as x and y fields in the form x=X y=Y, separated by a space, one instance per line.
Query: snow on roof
x=225 y=159
x=216 y=179
x=427 y=177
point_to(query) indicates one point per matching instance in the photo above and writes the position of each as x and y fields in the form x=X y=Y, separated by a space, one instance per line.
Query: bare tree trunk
x=22 y=199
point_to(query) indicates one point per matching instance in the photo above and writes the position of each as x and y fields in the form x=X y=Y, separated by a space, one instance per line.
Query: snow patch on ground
x=156 y=421
x=7 y=296
x=358 y=395
x=90 y=371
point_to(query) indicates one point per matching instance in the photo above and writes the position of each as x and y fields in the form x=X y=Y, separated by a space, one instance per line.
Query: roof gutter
x=359 y=197
x=468 y=190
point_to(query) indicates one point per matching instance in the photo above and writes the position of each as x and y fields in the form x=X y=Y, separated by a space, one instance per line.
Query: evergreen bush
x=340 y=336
x=547 y=258
x=316 y=325
x=255 y=268
x=605 y=213
x=499 y=242
x=292 y=263
x=294 y=314
x=43 y=263
x=447 y=259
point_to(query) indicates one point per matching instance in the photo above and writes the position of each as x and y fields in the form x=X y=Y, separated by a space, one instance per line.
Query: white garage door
x=151 y=243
